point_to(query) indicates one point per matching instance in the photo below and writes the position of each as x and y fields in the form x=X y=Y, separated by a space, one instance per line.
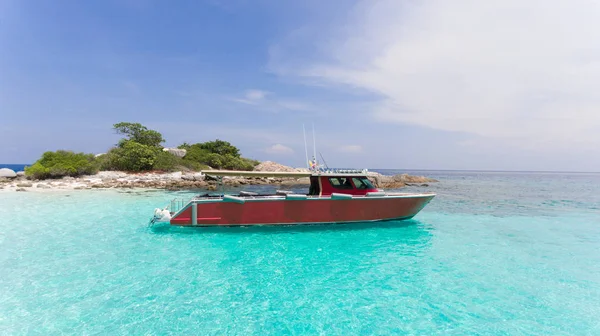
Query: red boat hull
x=309 y=211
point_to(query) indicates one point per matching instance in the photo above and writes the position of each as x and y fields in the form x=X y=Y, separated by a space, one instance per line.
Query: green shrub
x=108 y=161
x=249 y=163
x=37 y=171
x=218 y=154
x=220 y=147
x=166 y=161
x=214 y=160
x=197 y=154
x=185 y=146
x=193 y=165
x=62 y=163
x=130 y=156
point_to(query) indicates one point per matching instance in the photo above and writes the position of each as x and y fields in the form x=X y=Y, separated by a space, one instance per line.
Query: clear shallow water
x=493 y=254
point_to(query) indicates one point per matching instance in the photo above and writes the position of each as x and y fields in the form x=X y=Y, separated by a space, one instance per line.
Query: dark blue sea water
x=492 y=254
x=15 y=167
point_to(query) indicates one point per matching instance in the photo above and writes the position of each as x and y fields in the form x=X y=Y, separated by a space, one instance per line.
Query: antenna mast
x=305 y=147
x=314 y=146
x=325 y=162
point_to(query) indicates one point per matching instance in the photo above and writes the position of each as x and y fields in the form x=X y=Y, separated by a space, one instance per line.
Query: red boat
x=334 y=196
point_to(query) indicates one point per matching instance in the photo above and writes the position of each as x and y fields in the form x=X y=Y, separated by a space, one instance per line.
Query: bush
x=130 y=156
x=62 y=163
x=220 y=147
x=166 y=161
x=197 y=154
x=185 y=146
x=218 y=154
x=108 y=161
x=249 y=163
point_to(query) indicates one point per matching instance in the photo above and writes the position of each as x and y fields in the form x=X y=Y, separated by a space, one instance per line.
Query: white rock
x=5 y=172
x=110 y=175
x=94 y=180
x=176 y=151
x=173 y=176
x=21 y=173
x=193 y=177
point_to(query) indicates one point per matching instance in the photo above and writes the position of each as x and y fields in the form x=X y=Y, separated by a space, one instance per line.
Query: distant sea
x=494 y=253
x=15 y=167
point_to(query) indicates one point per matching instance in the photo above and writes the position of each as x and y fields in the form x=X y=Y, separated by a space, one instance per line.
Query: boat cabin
x=350 y=182
x=325 y=185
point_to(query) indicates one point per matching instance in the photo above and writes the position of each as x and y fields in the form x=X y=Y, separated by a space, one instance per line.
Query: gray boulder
x=193 y=177
x=270 y=166
x=176 y=151
x=8 y=173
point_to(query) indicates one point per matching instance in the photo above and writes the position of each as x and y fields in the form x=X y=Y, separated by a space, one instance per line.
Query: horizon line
x=492 y=171
x=441 y=170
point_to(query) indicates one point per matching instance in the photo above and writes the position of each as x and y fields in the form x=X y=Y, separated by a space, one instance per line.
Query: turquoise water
x=492 y=254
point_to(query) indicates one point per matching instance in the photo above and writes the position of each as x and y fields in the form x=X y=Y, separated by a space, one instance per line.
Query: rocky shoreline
x=181 y=181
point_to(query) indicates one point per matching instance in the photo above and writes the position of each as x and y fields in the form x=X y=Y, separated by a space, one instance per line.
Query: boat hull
x=282 y=211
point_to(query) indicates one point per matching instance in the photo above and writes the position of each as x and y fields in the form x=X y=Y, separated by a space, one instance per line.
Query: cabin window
x=340 y=183
x=362 y=183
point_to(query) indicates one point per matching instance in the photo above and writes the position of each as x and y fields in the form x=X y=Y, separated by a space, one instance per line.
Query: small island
x=140 y=161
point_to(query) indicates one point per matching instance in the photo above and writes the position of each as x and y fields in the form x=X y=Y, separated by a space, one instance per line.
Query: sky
x=405 y=84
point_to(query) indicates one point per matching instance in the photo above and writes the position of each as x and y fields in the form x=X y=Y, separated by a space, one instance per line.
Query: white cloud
x=279 y=149
x=259 y=99
x=255 y=95
x=525 y=72
x=351 y=149
x=252 y=97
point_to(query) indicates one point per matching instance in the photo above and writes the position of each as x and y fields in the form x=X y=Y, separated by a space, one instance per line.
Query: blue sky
x=388 y=84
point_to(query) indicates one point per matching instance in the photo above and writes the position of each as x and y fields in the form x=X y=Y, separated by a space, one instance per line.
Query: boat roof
x=255 y=173
x=296 y=174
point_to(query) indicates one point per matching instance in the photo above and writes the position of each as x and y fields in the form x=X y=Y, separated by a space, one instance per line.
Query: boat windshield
x=362 y=183
x=340 y=182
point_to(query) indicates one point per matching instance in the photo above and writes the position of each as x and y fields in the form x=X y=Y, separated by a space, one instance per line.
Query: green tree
x=201 y=153
x=134 y=156
x=196 y=153
x=220 y=147
x=185 y=146
x=138 y=133
x=214 y=160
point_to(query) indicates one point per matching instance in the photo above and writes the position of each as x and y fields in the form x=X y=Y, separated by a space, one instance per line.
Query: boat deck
x=178 y=204
x=257 y=196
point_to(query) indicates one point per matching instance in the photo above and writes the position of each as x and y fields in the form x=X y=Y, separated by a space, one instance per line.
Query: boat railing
x=178 y=204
